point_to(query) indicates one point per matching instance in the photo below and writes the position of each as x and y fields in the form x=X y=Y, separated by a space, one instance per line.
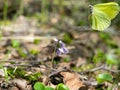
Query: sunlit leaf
x=111 y=60
x=34 y=52
x=61 y=86
x=38 y=86
x=48 y=88
x=15 y=43
x=99 y=57
x=104 y=77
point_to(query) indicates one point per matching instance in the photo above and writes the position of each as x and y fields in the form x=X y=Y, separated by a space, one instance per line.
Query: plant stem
x=51 y=67
x=53 y=55
x=5 y=8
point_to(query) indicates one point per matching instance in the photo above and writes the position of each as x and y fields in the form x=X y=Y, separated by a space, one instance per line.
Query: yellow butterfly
x=102 y=14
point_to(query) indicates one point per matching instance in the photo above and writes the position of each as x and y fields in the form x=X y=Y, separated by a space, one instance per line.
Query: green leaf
x=104 y=36
x=111 y=60
x=48 y=88
x=104 y=77
x=61 y=86
x=34 y=52
x=99 y=57
x=19 y=73
x=36 y=41
x=39 y=86
x=102 y=14
x=15 y=43
x=67 y=38
x=22 y=52
x=33 y=77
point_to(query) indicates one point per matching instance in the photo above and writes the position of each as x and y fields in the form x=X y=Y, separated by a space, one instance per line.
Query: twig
x=13 y=65
x=57 y=71
x=96 y=69
x=104 y=67
x=20 y=61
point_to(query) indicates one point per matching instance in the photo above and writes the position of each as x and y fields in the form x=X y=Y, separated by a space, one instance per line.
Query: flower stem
x=52 y=59
x=51 y=66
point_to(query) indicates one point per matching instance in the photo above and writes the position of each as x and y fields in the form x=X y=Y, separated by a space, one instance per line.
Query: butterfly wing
x=111 y=9
x=100 y=21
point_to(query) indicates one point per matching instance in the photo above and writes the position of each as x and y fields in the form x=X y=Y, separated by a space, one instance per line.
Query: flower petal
x=55 y=39
x=65 y=50
x=62 y=44
x=61 y=50
x=58 y=52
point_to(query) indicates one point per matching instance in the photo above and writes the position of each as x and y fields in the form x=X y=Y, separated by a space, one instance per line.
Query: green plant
x=34 y=52
x=99 y=57
x=19 y=72
x=33 y=77
x=6 y=74
x=15 y=43
x=110 y=60
x=44 y=11
x=5 y=9
x=36 y=41
x=61 y=86
x=67 y=38
x=48 y=88
x=22 y=52
x=104 y=77
x=39 y=86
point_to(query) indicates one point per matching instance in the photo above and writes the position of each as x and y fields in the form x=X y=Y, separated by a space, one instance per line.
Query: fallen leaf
x=20 y=83
x=80 y=61
x=13 y=88
x=72 y=80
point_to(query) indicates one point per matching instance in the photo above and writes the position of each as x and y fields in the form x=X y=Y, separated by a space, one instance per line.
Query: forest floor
x=26 y=56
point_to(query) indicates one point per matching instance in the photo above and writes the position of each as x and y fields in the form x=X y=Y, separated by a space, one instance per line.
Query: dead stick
x=104 y=67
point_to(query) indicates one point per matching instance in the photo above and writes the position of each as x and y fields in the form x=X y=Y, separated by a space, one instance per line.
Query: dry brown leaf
x=20 y=83
x=80 y=61
x=72 y=80
x=13 y=88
